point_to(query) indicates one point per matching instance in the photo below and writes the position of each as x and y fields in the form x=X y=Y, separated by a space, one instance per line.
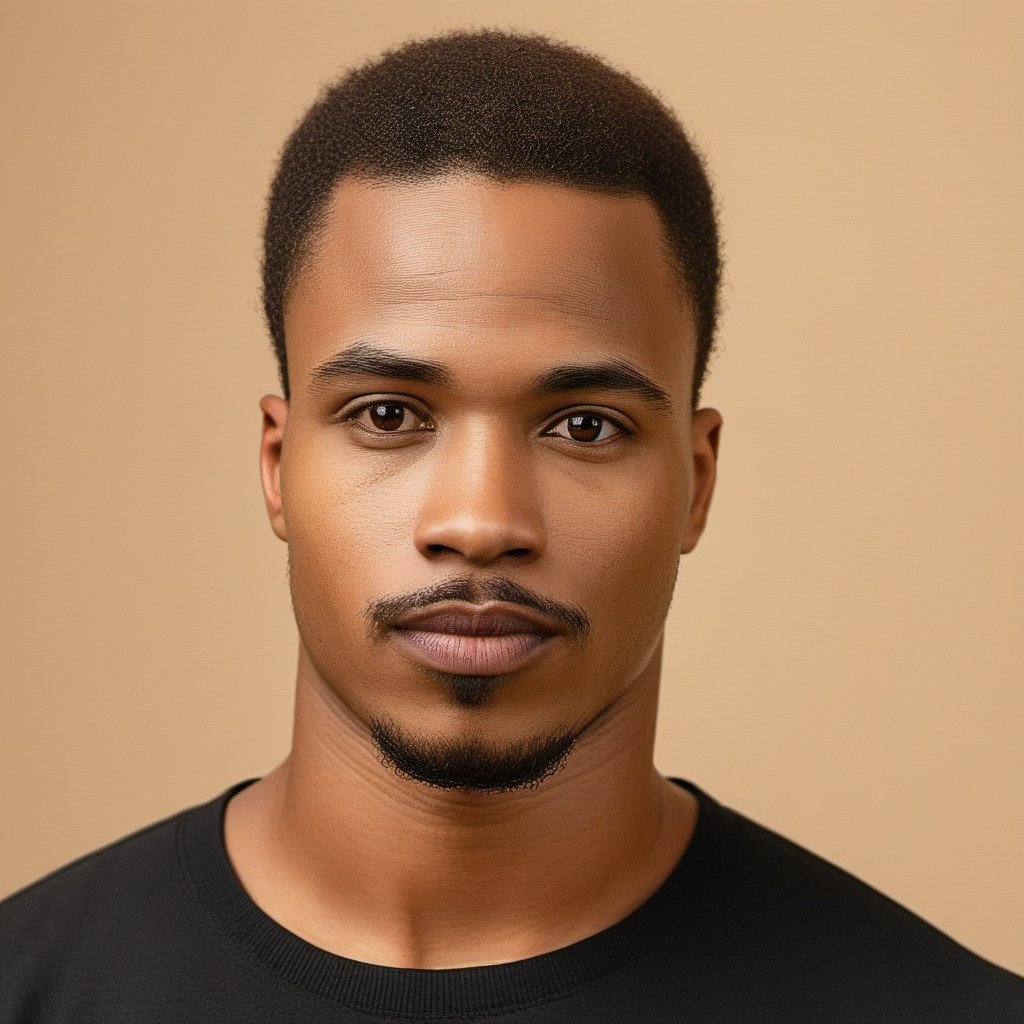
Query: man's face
x=488 y=467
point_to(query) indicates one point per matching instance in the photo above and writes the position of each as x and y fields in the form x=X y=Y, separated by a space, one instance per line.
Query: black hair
x=509 y=105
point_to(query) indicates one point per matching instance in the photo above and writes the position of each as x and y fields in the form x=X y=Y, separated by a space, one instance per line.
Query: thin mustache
x=383 y=613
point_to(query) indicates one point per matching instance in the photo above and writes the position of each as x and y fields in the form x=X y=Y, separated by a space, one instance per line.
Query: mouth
x=479 y=640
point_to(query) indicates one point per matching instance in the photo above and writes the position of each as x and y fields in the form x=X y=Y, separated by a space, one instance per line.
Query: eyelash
x=350 y=418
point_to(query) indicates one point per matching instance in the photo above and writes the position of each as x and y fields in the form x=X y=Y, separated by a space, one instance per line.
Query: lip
x=479 y=640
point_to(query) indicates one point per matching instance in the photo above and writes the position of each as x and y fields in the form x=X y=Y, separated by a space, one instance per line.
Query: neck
x=356 y=860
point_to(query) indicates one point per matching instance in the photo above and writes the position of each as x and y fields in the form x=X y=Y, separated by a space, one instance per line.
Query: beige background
x=844 y=660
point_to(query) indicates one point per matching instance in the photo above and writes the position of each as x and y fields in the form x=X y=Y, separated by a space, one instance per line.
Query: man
x=491 y=278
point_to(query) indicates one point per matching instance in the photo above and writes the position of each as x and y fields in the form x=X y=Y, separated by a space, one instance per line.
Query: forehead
x=527 y=264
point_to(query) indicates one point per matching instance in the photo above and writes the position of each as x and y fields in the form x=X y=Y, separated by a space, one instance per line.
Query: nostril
x=516 y=554
x=477 y=539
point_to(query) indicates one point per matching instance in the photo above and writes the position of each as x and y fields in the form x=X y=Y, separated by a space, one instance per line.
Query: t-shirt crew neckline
x=422 y=993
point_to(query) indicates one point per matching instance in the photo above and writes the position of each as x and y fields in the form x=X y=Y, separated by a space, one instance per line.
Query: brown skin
x=497 y=282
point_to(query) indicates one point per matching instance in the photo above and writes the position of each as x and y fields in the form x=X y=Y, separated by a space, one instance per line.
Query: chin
x=471 y=763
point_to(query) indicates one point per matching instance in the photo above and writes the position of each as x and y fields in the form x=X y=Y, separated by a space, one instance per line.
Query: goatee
x=468 y=764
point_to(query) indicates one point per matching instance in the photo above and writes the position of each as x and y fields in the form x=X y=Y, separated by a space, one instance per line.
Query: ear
x=705 y=431
x=275 y=416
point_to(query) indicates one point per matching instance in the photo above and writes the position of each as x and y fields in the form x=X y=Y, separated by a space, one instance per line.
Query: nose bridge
x=481 y=502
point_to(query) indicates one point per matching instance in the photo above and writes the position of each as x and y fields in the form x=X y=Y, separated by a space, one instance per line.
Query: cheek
x=349 y=531
x=619 y=541
x=346 y=506
x=625 y=514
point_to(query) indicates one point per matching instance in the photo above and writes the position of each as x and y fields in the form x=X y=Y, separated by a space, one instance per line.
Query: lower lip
x=472 y=655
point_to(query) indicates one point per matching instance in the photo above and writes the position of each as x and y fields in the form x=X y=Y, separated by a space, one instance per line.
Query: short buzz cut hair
x=514 y=107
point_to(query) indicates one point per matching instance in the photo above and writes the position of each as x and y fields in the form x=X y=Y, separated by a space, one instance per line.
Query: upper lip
x=495 y=618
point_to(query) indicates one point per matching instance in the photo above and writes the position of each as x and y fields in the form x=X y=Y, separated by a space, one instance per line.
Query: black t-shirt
x=749 y=927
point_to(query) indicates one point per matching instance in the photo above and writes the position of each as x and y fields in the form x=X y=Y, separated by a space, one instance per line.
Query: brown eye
x=387 y=415
x=586 y=427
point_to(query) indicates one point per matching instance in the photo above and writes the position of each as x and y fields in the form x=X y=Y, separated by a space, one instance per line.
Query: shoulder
x=91 y=878
x=819 y=929
x=98 y=913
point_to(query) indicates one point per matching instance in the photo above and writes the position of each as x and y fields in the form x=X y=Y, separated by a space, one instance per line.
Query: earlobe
x=275 y=416
x=706 y=432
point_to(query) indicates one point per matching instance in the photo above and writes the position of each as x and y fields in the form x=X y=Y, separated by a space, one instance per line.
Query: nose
x=481 y=502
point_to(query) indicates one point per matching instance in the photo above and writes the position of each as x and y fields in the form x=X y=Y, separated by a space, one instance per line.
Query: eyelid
x=617 y=420
x=349 y=414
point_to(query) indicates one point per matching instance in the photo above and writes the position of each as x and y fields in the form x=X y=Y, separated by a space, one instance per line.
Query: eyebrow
x=608 y=375
x=370 y=361
x=363 y=359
